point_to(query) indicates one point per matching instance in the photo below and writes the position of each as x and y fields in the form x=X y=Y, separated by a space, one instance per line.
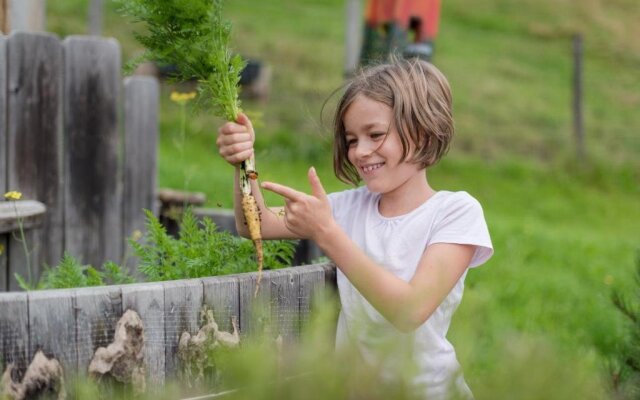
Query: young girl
x=402 y=248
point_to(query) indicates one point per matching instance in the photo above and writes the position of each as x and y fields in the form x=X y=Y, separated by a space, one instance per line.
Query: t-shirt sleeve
x=461 y=221
x=335 y=199
x=342 y=204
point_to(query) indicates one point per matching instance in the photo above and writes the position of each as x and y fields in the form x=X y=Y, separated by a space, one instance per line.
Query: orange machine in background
x=405 y=27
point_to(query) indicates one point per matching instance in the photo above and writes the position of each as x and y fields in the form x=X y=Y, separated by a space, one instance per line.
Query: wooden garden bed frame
x=70 y=324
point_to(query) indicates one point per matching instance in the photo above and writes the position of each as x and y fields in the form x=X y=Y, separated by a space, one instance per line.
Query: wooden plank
x=578 y=109
x=312 y=289
x=148 y=301
x=330 y=275
x=52 y=326
x=93 y=188
x=353 y=36
x=4 y=16
x=254 y=310
x=22 y=213
x=4 y=270
x=14 y=330
x=98 y=310
x=285 y=303
x=95 y=17
x=27 y=15
x=3 y=114
x=34 y=142
x=4 y=239
x=222 y=295
x=182 y=305
x=141 y=103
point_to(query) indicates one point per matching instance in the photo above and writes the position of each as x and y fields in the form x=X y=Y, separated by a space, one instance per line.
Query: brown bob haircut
x=420 y=97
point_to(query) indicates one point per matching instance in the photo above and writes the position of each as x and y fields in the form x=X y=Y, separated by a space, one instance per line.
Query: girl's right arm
x=235 y=144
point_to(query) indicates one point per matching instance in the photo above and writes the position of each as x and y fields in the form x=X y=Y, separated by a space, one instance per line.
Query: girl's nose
x=363 y=149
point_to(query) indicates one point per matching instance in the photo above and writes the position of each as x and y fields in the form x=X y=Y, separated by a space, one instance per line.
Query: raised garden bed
x=71 y=324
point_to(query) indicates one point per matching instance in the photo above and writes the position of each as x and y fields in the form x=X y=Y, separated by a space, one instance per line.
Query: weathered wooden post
x=93 y=185
x=14 y=330
x=22 y=15
x=4 y=270
x=182 y=305
x=141 y=104
x=34 y=142
x=97 y=311
x=353 y=34
x=578 y=116
x=52 y=326
x=4 y=11
x=95 y=17
x=148 y=301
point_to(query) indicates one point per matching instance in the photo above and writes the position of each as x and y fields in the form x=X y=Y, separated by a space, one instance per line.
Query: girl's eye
x=377 y=136
x=351 y=142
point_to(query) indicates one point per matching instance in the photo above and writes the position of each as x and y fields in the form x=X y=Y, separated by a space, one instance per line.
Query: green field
x=537 y=319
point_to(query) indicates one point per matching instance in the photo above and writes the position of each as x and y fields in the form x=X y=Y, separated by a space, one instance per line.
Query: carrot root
x=258 y=245
x=251 y=213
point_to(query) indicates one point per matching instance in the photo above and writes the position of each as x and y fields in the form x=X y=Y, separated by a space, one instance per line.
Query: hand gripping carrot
x=235 y=142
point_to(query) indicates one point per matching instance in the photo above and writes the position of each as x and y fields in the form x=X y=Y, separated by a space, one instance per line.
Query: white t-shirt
x=397 y=244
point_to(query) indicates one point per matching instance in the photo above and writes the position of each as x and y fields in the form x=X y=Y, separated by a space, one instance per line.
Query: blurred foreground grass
x=523 y=367
x=537 y=320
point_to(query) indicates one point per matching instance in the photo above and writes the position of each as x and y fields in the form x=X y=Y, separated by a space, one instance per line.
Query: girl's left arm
x=407 y=305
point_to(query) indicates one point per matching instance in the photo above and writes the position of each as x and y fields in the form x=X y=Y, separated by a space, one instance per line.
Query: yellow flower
x=182 y=98
x=136 y=235
x=608 y=280
x=13 y=195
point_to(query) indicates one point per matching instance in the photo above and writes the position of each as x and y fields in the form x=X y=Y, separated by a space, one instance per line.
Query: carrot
x=252 y=216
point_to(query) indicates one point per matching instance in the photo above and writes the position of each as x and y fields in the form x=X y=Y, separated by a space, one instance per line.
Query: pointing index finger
x=282 y=190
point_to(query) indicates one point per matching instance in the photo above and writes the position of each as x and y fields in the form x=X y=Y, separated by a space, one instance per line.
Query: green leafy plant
x=70 y=273
x=193 y=37
x=201 y=250
x=626 y=376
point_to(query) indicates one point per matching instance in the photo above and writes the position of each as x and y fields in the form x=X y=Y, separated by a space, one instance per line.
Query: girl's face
x=374 y=147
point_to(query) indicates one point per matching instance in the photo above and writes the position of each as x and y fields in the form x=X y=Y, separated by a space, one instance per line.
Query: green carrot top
x=192 y=36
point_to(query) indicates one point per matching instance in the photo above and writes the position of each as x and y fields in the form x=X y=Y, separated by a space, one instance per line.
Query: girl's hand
x=235 y=140
x=307 y=216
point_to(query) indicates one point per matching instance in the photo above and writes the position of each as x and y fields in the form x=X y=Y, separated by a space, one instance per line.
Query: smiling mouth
x=371 y=167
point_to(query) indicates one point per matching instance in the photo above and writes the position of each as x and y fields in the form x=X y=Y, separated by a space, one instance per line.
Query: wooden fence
x=77 y=138
x=70 y=324
x=80 y=143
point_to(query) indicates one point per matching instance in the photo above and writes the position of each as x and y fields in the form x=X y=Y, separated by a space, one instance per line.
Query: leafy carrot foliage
x=192 y=36
x=202 y=250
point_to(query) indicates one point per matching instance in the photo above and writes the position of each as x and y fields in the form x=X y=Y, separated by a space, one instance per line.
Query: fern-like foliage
x=114 y=274
x=70 y=273
x=201 y=250
x=627 y=375
x=191 y=35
